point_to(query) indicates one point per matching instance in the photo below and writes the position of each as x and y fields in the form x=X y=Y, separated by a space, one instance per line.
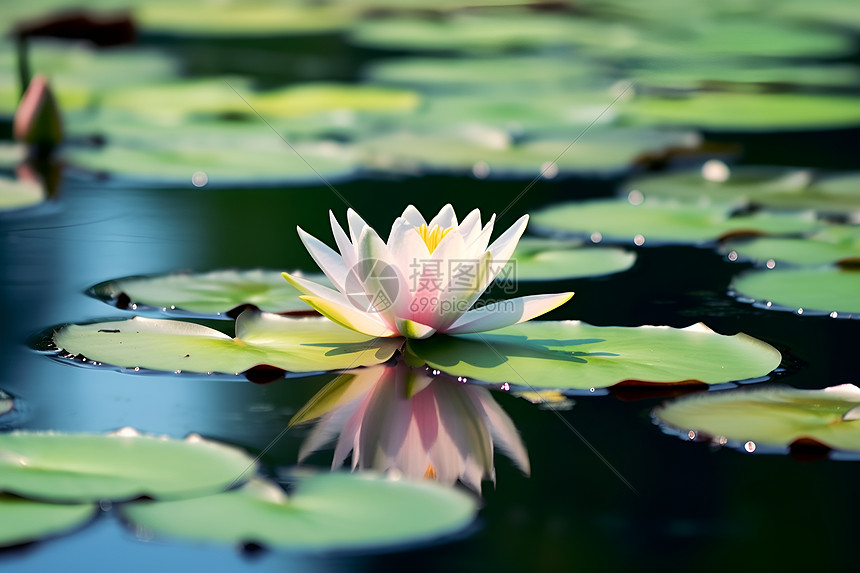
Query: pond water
x=608 y=488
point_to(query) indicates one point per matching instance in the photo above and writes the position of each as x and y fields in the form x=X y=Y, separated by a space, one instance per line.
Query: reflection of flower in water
x=403 y=420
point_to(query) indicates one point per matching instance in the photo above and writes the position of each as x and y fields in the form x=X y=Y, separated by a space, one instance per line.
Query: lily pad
x=293 y=344
x=212 y=293
x=17 y=194
x=334 y=511
x=573 y=355
x=490 y=152
x=548 y=259
x=833 y=244
x=774 y=417
x=652 y=223
x=75 y=468
x=773 y=187
x=25 y=521
x=815 y=291
x=728 y=111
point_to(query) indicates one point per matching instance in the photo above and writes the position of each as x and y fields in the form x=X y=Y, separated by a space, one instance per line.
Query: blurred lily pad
x=548 y=259
x=211 y=293
x=652 y=223
x=25 y=521
x=774 y=187
x=262 y=339
x=774 y=417
x=832 y=244
x=490 y=153
x=75 y=468
x=577 y=356
x=17 y=194
x=728 y=111
x=815 y=291
x=336 y=511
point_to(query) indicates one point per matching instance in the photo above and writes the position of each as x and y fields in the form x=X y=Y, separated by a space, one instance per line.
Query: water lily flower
x=425 y=279
x=402 y=420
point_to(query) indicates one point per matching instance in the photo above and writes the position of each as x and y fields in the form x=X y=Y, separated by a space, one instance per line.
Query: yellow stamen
x=430 y=473
x=432 y=236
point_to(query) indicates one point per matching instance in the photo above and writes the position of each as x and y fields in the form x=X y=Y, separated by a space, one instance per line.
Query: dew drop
x=134 y=306
x=635 y=197
x=435 y=372
x=749 y=446
x=591 y=389
x=722 y=440
x=137 y=368
x=126 y=432
x=691 y=434
x=639 y=240
x=177 y=371
x=834 y=314
x=506 y=386
x=596 y=237
x=199 y=179
x=799 y=311
x=733 y=256
x=770 y=263
x=768 y=304
x=193 y=438
x=715 y=170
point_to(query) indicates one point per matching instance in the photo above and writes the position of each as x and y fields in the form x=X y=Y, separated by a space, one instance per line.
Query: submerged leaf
x=573 y=355
x=774 y=416
x=25 y=521
x=334 y=511
x=292 y=344
x=73 y=468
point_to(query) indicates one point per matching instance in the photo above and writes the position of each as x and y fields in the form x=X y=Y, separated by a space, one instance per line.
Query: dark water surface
x=696 y=507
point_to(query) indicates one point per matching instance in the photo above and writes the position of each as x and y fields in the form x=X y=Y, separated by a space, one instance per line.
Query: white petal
x=470 y=227
x=501 y=426
x=381 y=278
x=328 y=261
x=356 y=225
x=445 y=219
x=507 y=312
x=412 y=329
x=482 y=239
x=309 y=287
x=413 y=216
x=503 y=247
x=348 y=316
x=347 y=249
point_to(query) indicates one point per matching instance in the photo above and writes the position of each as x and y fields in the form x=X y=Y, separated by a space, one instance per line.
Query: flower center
x=432 y=236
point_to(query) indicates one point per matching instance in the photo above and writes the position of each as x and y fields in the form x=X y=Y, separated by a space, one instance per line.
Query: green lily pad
x=652 y=223
x=773 y=417
x=334 y=511
x=211 y=293
x=490 y=153
x=17 y=194
x=75 y=468
x=816 y=291
x=832 y=244
x=25 y=521
x=309 y=344
x=577 y=356
x=728 y=111
x=778 y=188
x=548 y=259
x=513 y=73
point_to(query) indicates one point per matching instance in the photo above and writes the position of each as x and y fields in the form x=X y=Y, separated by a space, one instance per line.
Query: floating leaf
x=212 y=293
x=832 y=244
x=577 y=356
x=725 y=111
x=654 y=223
x=74 y=468
x=490 y=152
x=829 y=290
x=773 y=416
x=767 y=186
x=25 y=521
x=325 y=512
x=18 y=193
x=292 y=344
x=547 y=259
